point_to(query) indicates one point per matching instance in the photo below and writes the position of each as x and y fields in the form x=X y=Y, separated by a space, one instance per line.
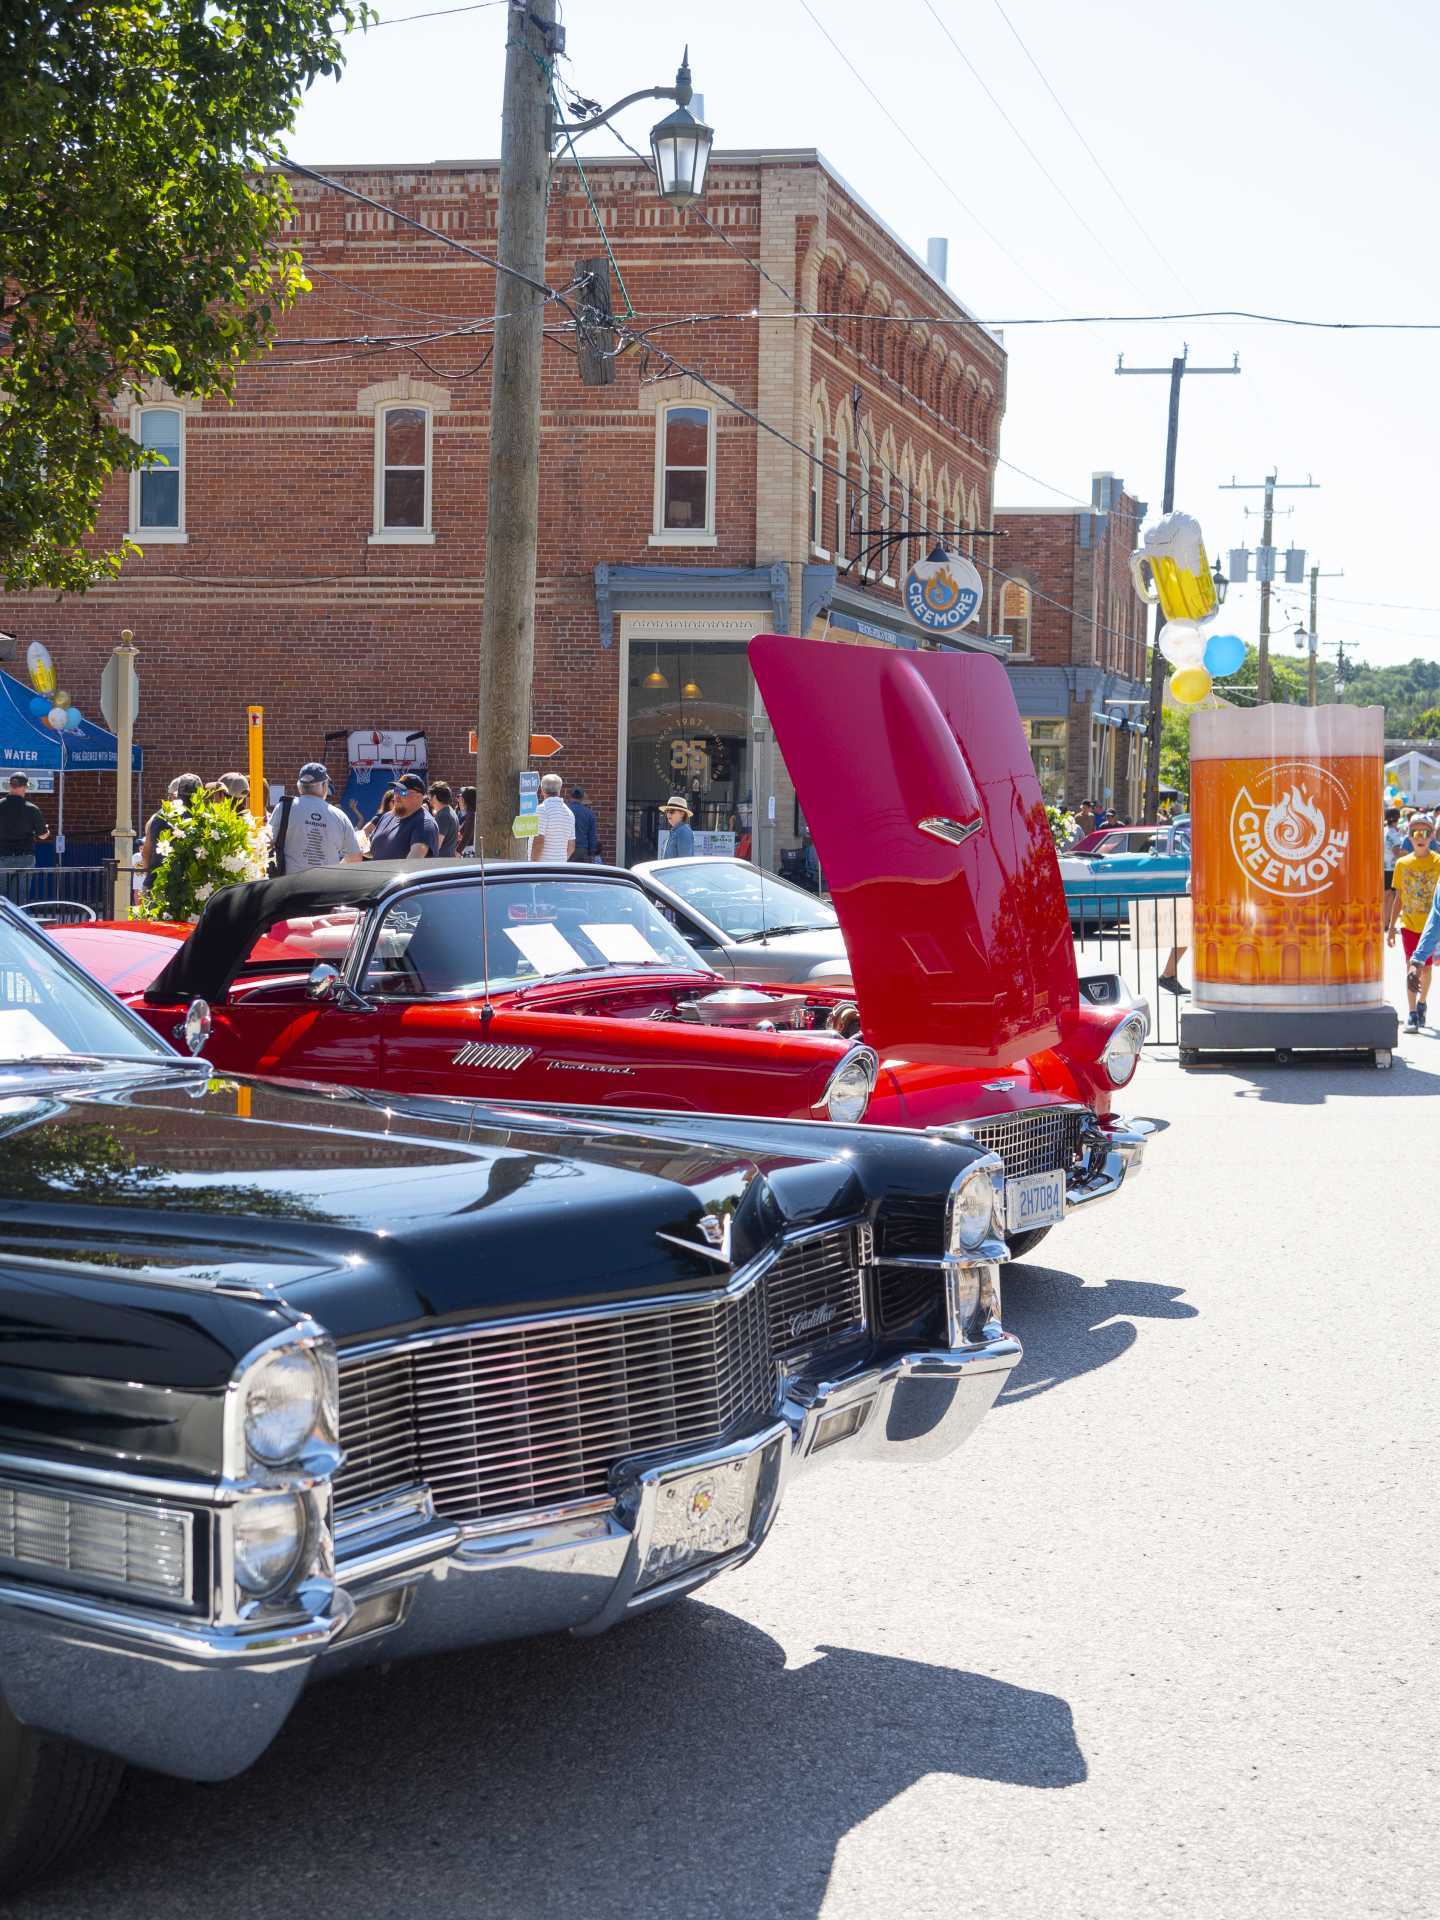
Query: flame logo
x=1294 y=826
x=941 y=591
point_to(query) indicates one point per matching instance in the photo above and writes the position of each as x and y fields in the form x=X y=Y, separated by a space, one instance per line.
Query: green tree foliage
x=1289 y=684
x=138 y=240
x=1406 y=693
x=1426 y=726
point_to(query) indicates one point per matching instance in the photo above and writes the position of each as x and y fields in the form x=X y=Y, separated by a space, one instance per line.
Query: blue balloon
x=39 y=706
x=1224 y=654
x=73 y=719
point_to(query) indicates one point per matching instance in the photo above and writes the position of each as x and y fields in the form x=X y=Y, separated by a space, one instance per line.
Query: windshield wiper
x=766 y=932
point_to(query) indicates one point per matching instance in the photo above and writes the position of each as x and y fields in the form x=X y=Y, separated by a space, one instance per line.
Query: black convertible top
x=233 y=919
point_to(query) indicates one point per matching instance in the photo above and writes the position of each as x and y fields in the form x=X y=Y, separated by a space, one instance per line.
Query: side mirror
x=327 y=985
x=194 y=1030
x=324 y=982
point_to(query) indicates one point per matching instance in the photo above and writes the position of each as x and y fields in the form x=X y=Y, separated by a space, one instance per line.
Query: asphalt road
x=1161 y=1641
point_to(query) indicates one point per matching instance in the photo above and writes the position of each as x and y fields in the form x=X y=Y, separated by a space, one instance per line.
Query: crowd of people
x=415 y=820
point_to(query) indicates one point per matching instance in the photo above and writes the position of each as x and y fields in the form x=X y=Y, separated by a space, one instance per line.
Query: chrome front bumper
x=1115 y=1150
x=189 y=1700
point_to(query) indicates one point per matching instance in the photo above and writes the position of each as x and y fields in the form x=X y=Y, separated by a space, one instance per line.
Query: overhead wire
x=994 y=100
x=924 y=157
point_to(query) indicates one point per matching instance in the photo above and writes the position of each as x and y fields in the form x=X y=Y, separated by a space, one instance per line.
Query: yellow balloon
x=40 y=667
x=1190 y=686
x=61 y=699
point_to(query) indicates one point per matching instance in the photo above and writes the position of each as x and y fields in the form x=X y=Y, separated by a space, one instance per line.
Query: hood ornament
x=714 y=1241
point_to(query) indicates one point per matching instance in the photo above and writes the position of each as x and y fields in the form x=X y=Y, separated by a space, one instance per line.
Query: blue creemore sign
x=943 y=593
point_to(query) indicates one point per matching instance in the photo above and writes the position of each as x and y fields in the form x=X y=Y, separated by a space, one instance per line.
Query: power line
x=990 y=95
x=1095 y=158
x=435 y=13
x=1067 y=319
x=920 y=153
x=408 y=220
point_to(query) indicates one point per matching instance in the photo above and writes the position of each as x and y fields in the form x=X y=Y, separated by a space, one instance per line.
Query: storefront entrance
x=691 y=728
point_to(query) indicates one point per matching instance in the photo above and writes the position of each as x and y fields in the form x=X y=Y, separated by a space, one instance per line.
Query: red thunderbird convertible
x=566 y=986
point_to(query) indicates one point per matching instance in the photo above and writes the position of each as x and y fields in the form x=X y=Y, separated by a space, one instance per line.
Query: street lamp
x=681 y=146
x=1222 y=585
x=680 y=142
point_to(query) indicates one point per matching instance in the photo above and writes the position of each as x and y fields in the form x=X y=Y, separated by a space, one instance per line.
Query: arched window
x=863 y=514
x=157 y=493
x=1015 y=603
x=817 y=477
x=402 y=471
x=684 y=475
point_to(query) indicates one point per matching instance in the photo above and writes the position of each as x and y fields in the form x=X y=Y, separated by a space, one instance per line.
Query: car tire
x=1023 y=1243
x=53 y=1795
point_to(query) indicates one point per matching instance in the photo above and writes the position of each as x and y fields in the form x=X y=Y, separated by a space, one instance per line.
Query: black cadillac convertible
x=292 y=1379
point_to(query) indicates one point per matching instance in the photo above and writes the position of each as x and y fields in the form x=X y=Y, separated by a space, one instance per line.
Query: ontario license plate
x=700 y=1516
x=1034 y=1200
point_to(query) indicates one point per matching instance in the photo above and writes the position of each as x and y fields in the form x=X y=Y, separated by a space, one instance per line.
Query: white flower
x=204 y=892
x=234 y=863
x=163 y=845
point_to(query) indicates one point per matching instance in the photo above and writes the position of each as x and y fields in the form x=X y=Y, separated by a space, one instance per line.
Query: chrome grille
x=911 y=1229
x=814 y=1292
x=508 y=1420
x=1039 y=1141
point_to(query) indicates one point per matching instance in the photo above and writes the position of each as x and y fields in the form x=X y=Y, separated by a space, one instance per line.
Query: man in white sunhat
x=682 y=834
x=556 y=838
x=306 y=831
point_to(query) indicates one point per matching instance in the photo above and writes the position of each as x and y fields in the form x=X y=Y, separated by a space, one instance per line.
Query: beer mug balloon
x=1286 y=863
x=1173 y=554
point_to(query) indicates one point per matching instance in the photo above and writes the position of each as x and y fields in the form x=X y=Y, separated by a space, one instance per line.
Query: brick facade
x=280 y=592
x=1085 y=662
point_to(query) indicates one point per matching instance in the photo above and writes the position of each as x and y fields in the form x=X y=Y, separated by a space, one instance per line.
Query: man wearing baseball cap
x=408 y=831
x=306 y=831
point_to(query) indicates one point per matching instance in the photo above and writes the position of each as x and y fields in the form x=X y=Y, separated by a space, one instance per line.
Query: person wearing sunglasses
x=1411 y=905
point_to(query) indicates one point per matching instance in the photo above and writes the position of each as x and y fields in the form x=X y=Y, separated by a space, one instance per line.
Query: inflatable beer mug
x=1173 y=554
x=1286 y=856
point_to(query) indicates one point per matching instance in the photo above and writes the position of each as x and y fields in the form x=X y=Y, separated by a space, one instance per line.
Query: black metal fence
x=47 y=892
x=1146 y=942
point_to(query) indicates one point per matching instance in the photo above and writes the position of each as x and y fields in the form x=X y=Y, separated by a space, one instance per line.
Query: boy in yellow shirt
x=1417 y=876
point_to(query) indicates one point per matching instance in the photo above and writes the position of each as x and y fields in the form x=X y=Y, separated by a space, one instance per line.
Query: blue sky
x=1271 y=157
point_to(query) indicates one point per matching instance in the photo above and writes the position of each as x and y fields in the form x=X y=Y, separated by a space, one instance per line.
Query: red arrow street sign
x=543 y=746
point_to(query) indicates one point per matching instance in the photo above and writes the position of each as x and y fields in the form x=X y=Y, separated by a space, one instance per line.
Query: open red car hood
x=916 y=780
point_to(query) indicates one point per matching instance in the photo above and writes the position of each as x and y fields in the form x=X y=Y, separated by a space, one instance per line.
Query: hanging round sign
x=943 y=592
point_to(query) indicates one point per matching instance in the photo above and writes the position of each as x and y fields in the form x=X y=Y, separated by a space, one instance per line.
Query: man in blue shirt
x=587 y=828
x=682 y=835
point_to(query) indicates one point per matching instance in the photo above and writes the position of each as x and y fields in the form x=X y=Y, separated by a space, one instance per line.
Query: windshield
x=430 y=942
x=48 y=1008
x=743 y=902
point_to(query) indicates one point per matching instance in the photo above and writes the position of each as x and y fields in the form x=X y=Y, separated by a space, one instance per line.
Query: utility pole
x=1272 y=485
x=1312 y=637
x=1177 y=371
x=512 y=523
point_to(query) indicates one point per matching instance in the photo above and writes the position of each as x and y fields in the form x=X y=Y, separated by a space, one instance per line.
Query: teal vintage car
x=1101 y=887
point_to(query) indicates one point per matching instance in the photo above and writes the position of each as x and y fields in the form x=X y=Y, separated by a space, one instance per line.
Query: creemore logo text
x=1289 y=835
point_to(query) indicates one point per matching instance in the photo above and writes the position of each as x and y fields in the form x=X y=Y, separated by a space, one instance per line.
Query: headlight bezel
x=1124 y=1043
x=297 y=1554
x=969 y=1225
x=858 y=1061
x=317 y=1455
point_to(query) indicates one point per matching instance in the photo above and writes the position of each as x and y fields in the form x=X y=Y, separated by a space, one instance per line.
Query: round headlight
x=1123 y=1051
x=269 y=1540
x=972 y=1210
x=282 y=1405
x=848 y=1093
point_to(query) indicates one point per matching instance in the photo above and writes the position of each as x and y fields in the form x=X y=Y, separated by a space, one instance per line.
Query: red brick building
x=1077 y=634
x=319 y=546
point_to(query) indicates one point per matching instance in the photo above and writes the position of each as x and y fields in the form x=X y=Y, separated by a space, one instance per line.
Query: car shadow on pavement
x=675 y=1767
x=1068 y=1329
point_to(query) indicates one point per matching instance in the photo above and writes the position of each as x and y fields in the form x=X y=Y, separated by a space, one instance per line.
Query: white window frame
x=817 y=490
x=381 y=535
x=842 y=493
x=660 y=534
x=1029 y=592
x=175 y=536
